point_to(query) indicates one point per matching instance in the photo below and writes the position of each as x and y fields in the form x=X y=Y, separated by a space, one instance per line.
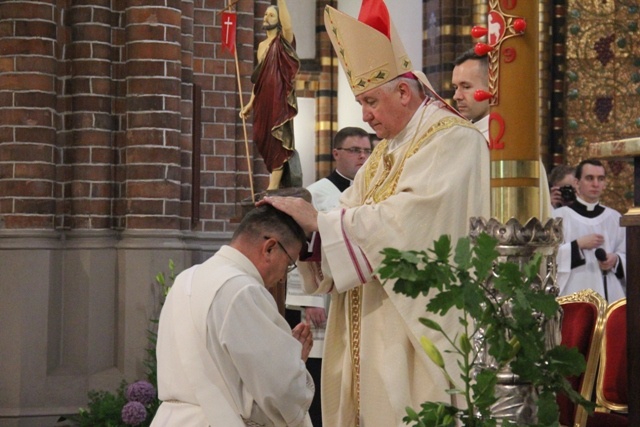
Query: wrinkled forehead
x=373 y=94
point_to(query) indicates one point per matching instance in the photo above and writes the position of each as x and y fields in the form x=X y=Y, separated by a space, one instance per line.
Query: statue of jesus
x=273 y=99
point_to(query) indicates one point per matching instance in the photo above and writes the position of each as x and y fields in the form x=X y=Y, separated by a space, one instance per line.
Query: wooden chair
x=612 y=386
x=582 y=327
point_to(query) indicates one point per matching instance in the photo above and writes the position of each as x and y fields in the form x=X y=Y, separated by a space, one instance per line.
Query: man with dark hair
x=273 y=99
x=351 y=149
x=226 y=357
x=594 y=255
x=471 y=73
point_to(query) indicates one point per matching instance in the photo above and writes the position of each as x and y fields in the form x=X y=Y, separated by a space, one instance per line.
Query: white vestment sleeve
x=621 y=247
x=258 y=341
x=563 y=263
x=347 y=263
x=564 y=258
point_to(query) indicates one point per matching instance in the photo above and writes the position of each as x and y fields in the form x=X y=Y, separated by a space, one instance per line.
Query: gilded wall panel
x=602 y=85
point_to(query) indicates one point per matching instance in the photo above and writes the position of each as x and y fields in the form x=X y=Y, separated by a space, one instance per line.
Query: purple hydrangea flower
x=133 y=413
x=141 y=391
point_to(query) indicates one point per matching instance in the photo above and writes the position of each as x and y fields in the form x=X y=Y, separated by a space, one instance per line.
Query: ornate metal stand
x=518 y=244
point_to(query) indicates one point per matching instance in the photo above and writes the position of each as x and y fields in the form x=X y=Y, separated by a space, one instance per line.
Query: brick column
x=187 y=110
x=153 y=94
x=327 y=95
x=89 y=153
x=27 y=119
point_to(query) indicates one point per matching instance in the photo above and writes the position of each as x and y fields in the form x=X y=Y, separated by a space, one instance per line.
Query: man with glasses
x=292 y=262
x=226 y=357
x=351 y=149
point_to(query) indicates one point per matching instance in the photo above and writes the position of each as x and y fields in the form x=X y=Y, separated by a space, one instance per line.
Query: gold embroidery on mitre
x=387 y=180
x=341 y=51
x=406 y=63
x=377 y=77
x=360 y=83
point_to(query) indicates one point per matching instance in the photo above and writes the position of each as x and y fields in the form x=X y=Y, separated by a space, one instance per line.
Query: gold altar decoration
x=602 y=88
x=623 y=148
x=617 y=150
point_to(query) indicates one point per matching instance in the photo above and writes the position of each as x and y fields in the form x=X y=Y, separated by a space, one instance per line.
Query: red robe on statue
x=275 y=103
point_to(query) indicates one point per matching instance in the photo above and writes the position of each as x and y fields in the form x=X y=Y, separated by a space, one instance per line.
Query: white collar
x=590 y=206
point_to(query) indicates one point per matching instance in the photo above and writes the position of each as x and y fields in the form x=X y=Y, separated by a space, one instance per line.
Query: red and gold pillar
x=512 y=32
x=514 y=123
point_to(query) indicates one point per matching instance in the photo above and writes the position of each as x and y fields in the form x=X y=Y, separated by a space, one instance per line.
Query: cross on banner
x=229 y=31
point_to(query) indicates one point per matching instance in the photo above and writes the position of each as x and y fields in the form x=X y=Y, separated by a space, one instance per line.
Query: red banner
x=229 y=31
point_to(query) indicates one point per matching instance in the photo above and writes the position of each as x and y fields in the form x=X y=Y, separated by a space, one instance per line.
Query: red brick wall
x=27 y=108
x=96 y=103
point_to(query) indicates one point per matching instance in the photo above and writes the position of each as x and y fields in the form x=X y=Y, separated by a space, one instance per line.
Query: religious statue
x=273 y=99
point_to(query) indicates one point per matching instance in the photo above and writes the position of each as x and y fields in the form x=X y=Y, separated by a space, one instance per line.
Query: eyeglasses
x=292 y=265
x=356 y=150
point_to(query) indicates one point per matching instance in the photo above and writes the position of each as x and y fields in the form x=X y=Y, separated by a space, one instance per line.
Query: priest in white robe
x=226 y=357
x=589 y=227
x=426 y=178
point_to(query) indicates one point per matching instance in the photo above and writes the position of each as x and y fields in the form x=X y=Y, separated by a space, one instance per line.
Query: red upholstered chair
x=582 y=327
x=612 y=386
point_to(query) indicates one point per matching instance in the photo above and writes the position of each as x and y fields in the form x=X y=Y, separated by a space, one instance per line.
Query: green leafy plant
x=103 y=409
x=502 y=307
x=132 y=404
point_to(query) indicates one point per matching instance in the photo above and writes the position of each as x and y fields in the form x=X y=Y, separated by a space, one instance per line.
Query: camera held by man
x=562 y=182
x=568 y=194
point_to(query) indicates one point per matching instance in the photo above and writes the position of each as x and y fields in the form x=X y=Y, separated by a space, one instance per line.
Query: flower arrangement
x=502 y=309
x=132 y=404
x=134 y=413
x=140 y=395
